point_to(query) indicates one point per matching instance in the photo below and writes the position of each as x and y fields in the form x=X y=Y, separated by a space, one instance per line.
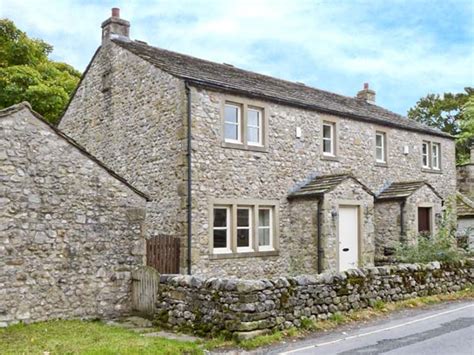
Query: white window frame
x=381 y=148
x=249 y=228
x=268 y=247
x=331 y=139
x=427 y=155
x=227 y=228
x=259 y=127
x=239 y=123
x=435 y=157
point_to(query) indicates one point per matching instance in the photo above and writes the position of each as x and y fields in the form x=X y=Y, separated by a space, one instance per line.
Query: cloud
x=404 y=49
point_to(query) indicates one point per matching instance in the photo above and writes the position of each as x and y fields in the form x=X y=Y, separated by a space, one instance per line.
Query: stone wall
x=465 y=179
x=132 y=116
x=387 y=229
x=248 y=308
x=70 y=231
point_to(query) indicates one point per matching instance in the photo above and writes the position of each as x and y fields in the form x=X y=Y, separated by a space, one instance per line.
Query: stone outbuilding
x=338 y=211
x=71 y=230
x=404 y=210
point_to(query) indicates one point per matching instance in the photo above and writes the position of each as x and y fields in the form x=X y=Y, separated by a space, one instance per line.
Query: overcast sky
x=404 y=49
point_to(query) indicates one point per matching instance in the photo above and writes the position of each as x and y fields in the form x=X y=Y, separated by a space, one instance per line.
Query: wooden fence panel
x=162 y=253
x=145 y=283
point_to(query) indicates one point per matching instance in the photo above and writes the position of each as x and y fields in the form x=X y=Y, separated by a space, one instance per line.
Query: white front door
x=348 y=237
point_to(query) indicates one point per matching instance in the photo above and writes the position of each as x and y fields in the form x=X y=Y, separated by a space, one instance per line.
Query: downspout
x=189 y=175
x=318 y=241
x=402 y=219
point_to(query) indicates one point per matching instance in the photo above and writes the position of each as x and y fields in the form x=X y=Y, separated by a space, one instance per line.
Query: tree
x=451 y=113
x=27 y=74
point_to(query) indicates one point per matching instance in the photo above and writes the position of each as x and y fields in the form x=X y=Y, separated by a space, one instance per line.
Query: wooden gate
x=162 y=253
x=145 y=283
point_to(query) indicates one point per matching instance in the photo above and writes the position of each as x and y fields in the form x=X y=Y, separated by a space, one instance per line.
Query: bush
x=441 y=246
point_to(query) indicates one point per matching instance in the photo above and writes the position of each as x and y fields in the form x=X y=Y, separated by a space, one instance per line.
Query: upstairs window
x=254 y=126
x=431 y=156
x=435 y=156
x=329 y=138
x=233 y=123
x=380 y=147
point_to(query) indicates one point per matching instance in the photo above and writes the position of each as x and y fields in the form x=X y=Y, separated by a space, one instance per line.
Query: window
x=431 y=155
x=328 y=138
x=425 y=154
x=232 y=123
x=244 y=229
x=435 y=156
x=253 y=230
x=265 y=229
x=254 y=126
x=221 y=230
x=424 y=220
x=380 y=154
x=244 y=126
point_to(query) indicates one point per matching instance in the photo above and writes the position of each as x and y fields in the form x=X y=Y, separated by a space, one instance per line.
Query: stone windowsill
x=241 y=146
x=254 y=254
x=381 y=165
x=329 y=157
x=431 y=171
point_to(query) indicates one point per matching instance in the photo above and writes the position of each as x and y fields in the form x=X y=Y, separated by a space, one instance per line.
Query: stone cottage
x=258 y=176
x=71 y=230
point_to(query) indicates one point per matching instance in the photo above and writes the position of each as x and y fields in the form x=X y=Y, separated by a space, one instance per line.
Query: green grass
x=79 y=337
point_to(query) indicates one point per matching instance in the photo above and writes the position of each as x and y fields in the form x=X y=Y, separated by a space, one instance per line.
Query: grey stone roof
x=403 y=190
x=25 y=105
x=464 y=206
x=324 y=184
x=228 y=78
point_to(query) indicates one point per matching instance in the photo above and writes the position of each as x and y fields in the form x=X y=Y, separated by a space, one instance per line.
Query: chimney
x=115 y=27
x=367 y=94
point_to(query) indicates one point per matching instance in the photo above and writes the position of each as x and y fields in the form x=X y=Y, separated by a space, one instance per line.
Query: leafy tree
x=26 y=73
x=453 y=114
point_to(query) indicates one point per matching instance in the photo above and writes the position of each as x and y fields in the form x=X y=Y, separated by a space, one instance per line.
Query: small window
x=328 y=138
x=380 y=154
x=254 y=126
x=232 y=124
x=425 y=155
x=221 y=230
x=265 y=229
x=435 y=156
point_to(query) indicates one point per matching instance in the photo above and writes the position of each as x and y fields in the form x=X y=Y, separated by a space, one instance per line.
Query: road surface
x=444 y=329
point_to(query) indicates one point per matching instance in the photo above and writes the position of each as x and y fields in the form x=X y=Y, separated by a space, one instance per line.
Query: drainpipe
x=318 y=242
x=188 y=155
x=402 y=219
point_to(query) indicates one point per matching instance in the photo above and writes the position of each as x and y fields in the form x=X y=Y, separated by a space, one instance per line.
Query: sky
x=403 y=49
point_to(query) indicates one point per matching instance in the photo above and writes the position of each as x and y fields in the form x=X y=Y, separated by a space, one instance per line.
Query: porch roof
x=464 y=206
x=403 y=190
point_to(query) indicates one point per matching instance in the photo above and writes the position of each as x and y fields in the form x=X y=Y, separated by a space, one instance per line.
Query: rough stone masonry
x=248 y=308
x=70 y=231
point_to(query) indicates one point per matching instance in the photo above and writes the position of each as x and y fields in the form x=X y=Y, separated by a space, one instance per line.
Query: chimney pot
x=115 y=12
x=115 y=27
x=366 y=94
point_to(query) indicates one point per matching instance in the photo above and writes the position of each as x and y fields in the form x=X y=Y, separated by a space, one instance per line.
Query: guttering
x=402 y=219
x=189 y=175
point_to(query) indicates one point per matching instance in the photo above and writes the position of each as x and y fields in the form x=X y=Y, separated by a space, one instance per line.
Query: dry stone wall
x=248 y=308
x=70 y=232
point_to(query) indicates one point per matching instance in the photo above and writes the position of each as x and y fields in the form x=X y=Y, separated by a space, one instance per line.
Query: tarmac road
x=444 y=329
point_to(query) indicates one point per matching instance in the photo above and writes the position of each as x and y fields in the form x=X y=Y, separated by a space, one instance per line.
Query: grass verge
x=81 y=337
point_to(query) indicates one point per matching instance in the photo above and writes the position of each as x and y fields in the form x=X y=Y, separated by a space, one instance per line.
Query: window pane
x=253 y=135
x=253 y=118
x=243 y=218
x=231 y=113
x=220 y=238
x=220 y=217
x=425 y=148
x=327 y=146
x=243 y=239
x=264 y=218
x=327 y=131
x=379 y=153
x=378 y=140
x=264 y=236
x=231 y=131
